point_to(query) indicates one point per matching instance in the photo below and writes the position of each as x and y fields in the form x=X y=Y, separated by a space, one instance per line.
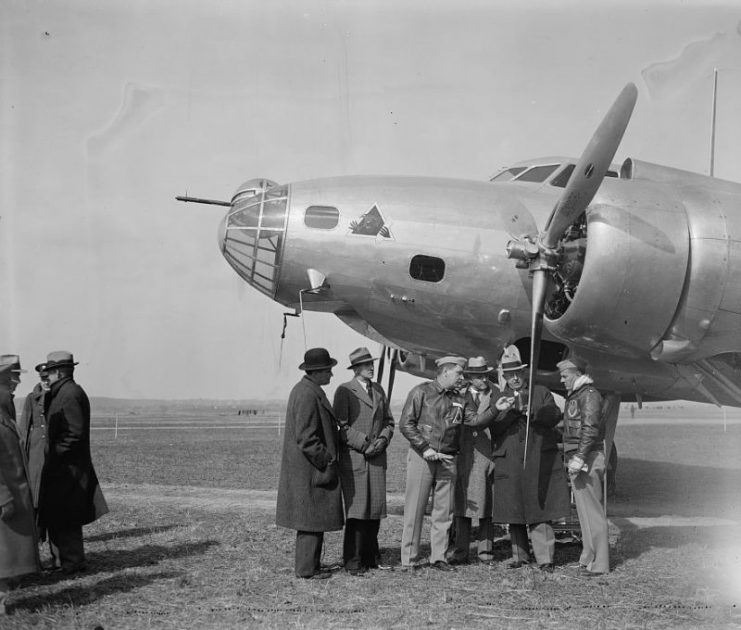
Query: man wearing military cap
x=475 y=471
x=70 y=495
x=309 y=496
x=584 y=450
x=18 y=543
x=431 y=421
x=366 y=427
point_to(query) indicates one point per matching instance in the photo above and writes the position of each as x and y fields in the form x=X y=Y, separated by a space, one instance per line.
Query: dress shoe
x=335 y=566
x=383 y=567
x=517 y=564
x=412 y=567
x=359 y=572
x=74 y=568
x=547 y=567
x=584 y=572
x=442 y=566
x=317 y=576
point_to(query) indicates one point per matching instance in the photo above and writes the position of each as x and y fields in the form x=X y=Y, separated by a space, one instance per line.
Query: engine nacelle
x=634 y=269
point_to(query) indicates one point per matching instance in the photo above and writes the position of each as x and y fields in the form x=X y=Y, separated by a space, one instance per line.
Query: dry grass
x=169 y=557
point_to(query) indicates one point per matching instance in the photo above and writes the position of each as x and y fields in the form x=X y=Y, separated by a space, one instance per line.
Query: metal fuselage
x=421 y=264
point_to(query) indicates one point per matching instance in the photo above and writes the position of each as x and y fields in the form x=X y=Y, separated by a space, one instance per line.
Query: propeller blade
x=381 y=363
x=540 y=285
x=392 y=373
x=592 y=166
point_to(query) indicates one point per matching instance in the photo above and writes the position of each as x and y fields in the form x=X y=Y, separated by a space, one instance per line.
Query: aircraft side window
x=509 y=174
x=322 y=217
x=563 y=177
x=538 y=173
x=427 y=268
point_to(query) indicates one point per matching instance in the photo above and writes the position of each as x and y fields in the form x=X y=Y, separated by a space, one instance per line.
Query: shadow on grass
x=118 y=559
x=134 y=532
x=647 y=488
x=81 y=594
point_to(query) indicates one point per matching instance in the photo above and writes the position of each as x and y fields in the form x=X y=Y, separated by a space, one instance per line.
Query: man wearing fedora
x=70 y=495
x=19 y=553
x=527 y=497
x=431 y=421
x=309 y=496
x=366 y=427
x=584 y=450
x=475 y=472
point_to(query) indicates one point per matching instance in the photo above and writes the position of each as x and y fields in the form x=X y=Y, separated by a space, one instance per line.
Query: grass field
x=190 y=542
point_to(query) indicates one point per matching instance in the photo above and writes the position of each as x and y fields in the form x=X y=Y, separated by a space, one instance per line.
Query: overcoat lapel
x=362 y=395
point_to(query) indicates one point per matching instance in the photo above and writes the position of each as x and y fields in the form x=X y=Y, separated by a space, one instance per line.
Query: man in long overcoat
x=19 y=553
x=366 y=427
x=475 y=472
x=309 y=496
x=70 y=494
x=529 y=497
x=33 y=432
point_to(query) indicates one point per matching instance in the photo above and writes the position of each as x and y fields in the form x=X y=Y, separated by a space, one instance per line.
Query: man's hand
x=376 y=447
x=445 y=458
x=575 y=465
x=504 y=403
x=7 y=511
x=430 y=455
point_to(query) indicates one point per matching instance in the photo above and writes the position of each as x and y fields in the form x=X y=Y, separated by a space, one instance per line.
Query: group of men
x=48 y=486
x=484 y=453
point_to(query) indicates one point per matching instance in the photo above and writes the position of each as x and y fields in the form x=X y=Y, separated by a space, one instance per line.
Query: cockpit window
x=538 y=173
x=508 y=175
x=563 y=177
x=322 y=217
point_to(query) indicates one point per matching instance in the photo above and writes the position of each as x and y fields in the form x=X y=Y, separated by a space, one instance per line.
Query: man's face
x=322 y=377
x=365 y=370
x=15 y=380
x=568 y=377
x=52 y=376
x=451 y=377
x=44 y=378
x=480 y=382
x=516 y=379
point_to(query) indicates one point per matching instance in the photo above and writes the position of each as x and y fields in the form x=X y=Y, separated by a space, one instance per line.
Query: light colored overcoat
x=18 y=542
x=475 y=467
x=362 y=421
x=309 y=496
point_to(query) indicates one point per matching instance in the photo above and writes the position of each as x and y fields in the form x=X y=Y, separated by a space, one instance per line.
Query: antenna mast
x=712 y=124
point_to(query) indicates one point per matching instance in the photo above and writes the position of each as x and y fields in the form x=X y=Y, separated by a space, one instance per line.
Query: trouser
x=485 y=539
x=4 y=590
x=360 y=543
x=542 y=537
x=308 y=553
x=588 y=486
x=66 y=547
x=423 y=476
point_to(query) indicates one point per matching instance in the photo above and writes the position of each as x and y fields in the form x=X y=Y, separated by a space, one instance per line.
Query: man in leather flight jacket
x=431 y=421
x=584 y=434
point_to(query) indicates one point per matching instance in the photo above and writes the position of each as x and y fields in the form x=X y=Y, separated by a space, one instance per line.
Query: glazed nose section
x=252 y=234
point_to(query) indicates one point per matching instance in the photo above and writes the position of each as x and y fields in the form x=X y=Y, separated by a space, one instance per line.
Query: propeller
x=539 y=253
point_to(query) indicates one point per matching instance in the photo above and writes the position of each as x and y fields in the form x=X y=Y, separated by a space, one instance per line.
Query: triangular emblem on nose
x=371 y=223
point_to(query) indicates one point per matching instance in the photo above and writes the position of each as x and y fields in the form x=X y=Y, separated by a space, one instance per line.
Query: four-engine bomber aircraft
x=632 y=268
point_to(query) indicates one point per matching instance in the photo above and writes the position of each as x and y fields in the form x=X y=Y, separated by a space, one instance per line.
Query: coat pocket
x=326 y=478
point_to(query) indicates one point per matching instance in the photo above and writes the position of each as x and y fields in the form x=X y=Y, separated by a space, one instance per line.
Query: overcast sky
x=110 y=109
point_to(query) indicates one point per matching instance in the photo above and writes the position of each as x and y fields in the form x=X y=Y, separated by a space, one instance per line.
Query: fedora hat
x=358 y=356
x=56 y=359
x=13 y=361
x=510 y=360
x=317 y=359
x=477 y=365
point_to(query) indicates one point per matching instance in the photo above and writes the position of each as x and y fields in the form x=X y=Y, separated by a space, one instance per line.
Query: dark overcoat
x=32 y=428
x=362 y=421
x=70 y=492
x=309 y=496
x=18 y=543
x=475 y=466
x=538 y=492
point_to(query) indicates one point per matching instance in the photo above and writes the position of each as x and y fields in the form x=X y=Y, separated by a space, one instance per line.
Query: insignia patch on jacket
x=572 y=411
x=371 y=223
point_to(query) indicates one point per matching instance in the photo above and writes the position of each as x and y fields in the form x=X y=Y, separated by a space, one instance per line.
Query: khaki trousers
x=588 y=486
x=542 y=538
x=422 y=477
x=485 y=540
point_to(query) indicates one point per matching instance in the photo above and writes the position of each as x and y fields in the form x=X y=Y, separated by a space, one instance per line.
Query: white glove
x=504 y=403
x=445 y=458
x=576 y=465
x=430 y=454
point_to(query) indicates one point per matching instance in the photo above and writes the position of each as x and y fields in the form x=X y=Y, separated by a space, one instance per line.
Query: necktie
x=477 y=399
x=369 y=389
